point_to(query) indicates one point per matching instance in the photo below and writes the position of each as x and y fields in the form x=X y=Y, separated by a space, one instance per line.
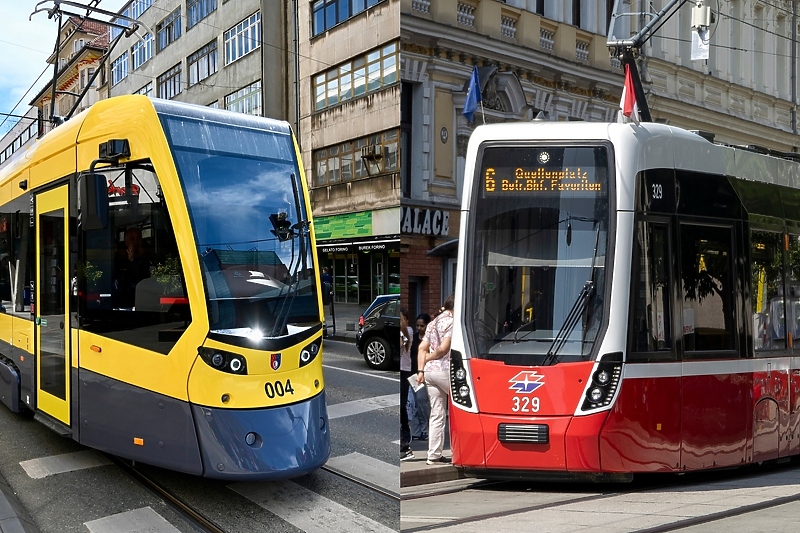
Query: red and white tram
x=627 y=299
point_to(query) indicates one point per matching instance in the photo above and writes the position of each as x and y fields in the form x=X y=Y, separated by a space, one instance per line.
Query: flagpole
x=483 y=115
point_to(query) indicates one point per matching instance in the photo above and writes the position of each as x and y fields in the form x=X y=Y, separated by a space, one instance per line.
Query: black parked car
x=378 y=336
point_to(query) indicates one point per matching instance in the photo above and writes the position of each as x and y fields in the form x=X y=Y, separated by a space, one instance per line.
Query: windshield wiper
x=575 y=313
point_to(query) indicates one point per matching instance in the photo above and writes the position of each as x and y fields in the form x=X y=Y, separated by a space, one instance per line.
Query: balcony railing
x=423 y=6
x=546 y=39
x=466 y=14
x=508 y=26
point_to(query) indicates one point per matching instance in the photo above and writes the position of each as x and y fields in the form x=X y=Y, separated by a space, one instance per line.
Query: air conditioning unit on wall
x=370 y=152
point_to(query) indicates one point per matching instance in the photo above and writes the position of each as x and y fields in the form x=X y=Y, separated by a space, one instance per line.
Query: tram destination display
x=513 y=171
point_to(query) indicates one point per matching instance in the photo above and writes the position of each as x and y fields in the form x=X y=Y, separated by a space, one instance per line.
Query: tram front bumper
x=270 y=443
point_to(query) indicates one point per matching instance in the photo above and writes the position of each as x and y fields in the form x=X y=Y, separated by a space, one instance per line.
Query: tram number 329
x=525 y=405
x=278 y=388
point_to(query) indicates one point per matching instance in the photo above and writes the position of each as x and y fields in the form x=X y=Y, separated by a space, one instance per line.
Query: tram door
x=51 y=312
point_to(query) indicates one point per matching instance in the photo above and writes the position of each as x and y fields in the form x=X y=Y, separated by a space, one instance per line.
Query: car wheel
x=377 y=354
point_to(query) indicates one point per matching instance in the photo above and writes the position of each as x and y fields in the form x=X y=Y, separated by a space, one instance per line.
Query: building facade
x=82 y=45
x=552 y=57
x=20 y=136
x=229 y=54
x=349 y=128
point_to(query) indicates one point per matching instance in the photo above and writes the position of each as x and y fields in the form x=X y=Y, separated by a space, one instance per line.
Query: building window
x=214 y=104
x=119 y=69
x=329 y=13
x=147 y=90
x=169 y=29
x=246 y=100
x=243 y=38
x=202 y=63
x=362 y=75
x=361 y=158
x=142 y=50
x=90 y=77
x=78 y=45
x=197 y=10
x=121 y=22
x=169 y=83
x=139 y=6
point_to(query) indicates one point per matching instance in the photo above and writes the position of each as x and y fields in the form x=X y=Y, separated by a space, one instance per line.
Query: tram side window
x=793 y=290
x=16 y=258
x=651 y=323
x=707 y=281
x=766 y=291
x=130 y=277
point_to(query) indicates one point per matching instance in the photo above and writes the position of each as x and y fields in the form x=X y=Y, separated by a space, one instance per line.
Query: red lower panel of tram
x=657 y=424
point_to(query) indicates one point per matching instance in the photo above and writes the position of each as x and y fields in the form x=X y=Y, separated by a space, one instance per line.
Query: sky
x=25 y=46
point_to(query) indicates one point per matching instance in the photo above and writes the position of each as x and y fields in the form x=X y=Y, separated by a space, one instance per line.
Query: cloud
x=25 y=46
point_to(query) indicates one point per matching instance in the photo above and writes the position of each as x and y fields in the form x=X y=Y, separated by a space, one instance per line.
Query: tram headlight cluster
x=224 y=361
x=310 y=352
x=459 y=385
x=605 y=381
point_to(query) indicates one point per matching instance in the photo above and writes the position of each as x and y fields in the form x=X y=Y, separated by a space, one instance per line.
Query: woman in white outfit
x=434 y=360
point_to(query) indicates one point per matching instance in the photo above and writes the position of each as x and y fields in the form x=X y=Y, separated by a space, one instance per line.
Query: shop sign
x=373 y=246
x=340 y=248
x=424 y=221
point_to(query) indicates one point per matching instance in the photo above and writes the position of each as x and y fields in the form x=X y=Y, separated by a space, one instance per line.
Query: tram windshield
x=245 y=198
x=535 y=272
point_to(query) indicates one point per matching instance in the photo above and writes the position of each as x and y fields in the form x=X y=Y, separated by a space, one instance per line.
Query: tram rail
x=196 y=519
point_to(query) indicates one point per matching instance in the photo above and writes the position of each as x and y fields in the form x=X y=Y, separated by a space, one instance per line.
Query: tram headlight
x=459 y=381
x=310 y=352
x=604 y=383
x=223 y=361
x=595 y=394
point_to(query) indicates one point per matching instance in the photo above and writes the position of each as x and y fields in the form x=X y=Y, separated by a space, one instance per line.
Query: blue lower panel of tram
x=266 y=443
x=274 y=443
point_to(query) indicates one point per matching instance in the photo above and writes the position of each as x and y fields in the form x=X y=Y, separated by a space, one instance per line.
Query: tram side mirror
x=92 y=201
x=282 y=227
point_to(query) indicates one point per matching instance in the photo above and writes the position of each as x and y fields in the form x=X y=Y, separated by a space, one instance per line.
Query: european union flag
x=473 y=95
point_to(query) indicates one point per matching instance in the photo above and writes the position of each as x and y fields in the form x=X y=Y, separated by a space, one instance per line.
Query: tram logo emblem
x=275 y=361
x=526 y=382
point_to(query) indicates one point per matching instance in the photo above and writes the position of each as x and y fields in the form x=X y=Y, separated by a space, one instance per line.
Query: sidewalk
x=13 y=518
x=415 y=472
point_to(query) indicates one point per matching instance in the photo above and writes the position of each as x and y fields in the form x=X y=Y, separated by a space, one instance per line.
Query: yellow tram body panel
x=211 y=388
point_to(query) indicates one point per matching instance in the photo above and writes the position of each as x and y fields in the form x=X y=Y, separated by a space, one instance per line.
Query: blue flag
x=473 y=95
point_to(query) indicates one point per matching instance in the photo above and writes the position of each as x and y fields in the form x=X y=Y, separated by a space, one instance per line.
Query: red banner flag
x=628 y=102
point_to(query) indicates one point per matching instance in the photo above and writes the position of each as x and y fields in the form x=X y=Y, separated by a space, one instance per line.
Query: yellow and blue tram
x=159 y=288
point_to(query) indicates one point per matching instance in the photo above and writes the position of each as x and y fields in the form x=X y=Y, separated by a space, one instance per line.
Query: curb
x=13 y=517
x=429 y=474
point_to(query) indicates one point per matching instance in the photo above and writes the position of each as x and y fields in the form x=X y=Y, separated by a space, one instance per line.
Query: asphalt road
x=85 y=492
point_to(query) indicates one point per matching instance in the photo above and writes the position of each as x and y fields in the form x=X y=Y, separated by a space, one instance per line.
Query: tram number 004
x=525 y=405
x=278 y=389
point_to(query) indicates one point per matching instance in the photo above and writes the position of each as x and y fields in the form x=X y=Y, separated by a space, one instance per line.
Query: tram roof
x=106 y=120
x=654 y=145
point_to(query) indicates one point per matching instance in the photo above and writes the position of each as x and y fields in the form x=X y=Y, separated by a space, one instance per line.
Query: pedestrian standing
x=406 y=336
x=419 y=405
x=434 y=361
